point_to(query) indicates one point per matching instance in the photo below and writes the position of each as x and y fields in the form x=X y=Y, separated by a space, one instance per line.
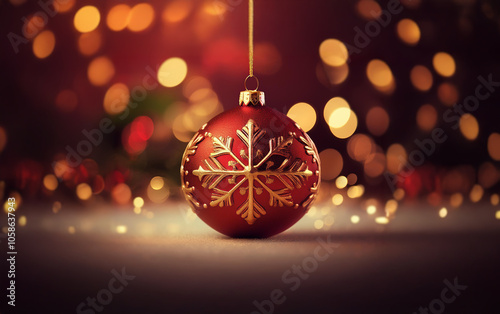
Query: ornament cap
x=252 y=98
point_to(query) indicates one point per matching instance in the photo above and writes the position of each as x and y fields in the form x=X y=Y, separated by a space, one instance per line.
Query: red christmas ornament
x=250 y=171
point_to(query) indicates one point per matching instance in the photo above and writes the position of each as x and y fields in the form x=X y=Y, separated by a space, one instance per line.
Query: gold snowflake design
x=253 y=167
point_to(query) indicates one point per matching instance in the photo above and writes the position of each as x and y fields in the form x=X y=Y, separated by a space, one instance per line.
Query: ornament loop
x=256 y=79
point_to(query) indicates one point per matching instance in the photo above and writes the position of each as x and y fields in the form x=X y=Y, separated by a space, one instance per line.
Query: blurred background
x=99 y=98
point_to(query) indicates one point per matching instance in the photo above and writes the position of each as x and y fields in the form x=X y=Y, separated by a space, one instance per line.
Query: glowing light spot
x=368 y=9
x=44 y=44
x=63 y=6
x=444 y=64
x=100 y=71
x=17 y=2
x=3 y=139
x=157 y=183
x=456 y=200
x=311 y=212
x=118 y=17
x=332 y=163
x=329 y=220
x=138 y=202
x=377 y=121
x=448 y=94
x=194 y=84
x=346 y=129
x=333 y=52
x=158 y=195
x=33 y=25
x=469 y=126
x=355 y=191
x=443 y=212
x=360 y=146
x=121 y=229
x=375 y=165
x=337 y=199
x=333 y=75
x=116 y=98
x=355 y=219
x=352 y=179
x=50 y=182
x=304 y=114
x=426 y=117
x=341 y=182
x=121 y=193
x=22 y=221
x=141 y=16
x=172 y=72
x=137 y=210
x=56 y=207
x=396 y=158
x=66 y=100
x=83 y=191
x=382 y=220
x=497 y=215
x=399 y=194
x=87 y=19
x=89 y=43
x=421 y=78
x=71 y=230
x=318 y=224
x=476 y=193
x=371 y=209
x=493 y=146
x=177 y=11
x=391 y=206
x=408 y=31
x=495 y=199
x=379 y=73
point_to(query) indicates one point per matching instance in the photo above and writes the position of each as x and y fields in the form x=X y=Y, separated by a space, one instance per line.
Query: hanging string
x=250 y=37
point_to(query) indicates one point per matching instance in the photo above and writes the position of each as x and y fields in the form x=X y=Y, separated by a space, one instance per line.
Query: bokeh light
x=176 y=11
x=121 y=194
x=360 y=147
x=87 y=19
x=63 y=6
x=377 y=121
x=476 y=193
x=44 y=44
x=304 y=114
x=408 y=31
x=396 y=158
x=50 y=182
x=3 y=139
x=337 y=199
x=355 y=191
x=89 y=43
x=448 y=94
x=100 y=71
x=341 y=182
x=379 y=74
x=118 y=17
x=332 y=163
x=83 y=191
x=333 y=52
x=368 y=9
x=421 y=78
x=469 y=126
x=426 y=117
x=443 y=212
x=493 y=146
x=444 y=64
x=116 y=98
x=172 y=72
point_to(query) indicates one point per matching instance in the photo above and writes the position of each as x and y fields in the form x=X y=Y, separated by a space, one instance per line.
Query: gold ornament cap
x=252 y=98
